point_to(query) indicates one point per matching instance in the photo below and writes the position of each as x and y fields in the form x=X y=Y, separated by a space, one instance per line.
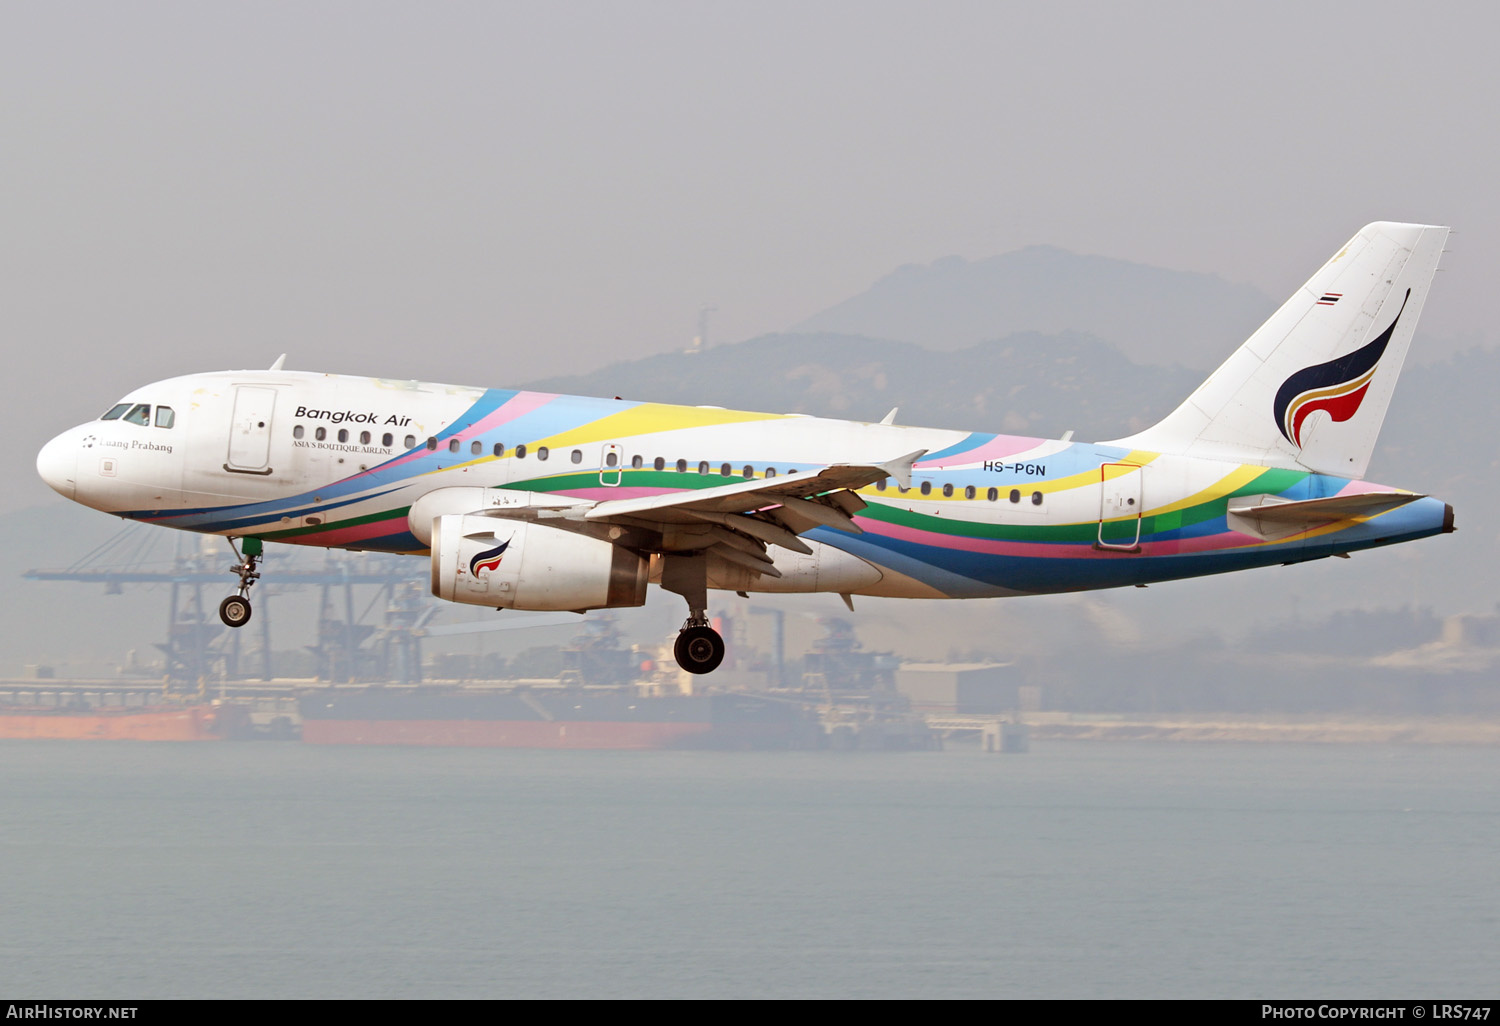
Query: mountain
x=1152 y=314
x=1027 y=383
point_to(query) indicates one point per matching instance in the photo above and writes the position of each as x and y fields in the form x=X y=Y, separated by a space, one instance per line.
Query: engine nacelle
x=443 y=502
x=491 y=561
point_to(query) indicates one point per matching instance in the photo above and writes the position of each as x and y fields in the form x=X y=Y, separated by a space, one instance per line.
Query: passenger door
x=250 y=430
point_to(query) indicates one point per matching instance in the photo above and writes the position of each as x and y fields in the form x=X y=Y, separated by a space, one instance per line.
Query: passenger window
x=520 y=452
x=577 y=456
x=947 y=491
x=611 y=459
x=1015 y=495
x=364 y=438
x=431 y=443
x=343 y=434
x=770 y=472
x=726 y=470
x=476 y=447
x=926 y=488
x=637 y=462
x=298 y=431
x=165 y=418
x=140 y=414
x=321 y=433
x=387 y=439
x=1036 y=498
x=498 y=450
x=453 y=445
x=969 y=492
x=659 y=463
x=542 y=452
x=749 y=471
x=993 y=495
x=880 y=485
x=703 y=467
x=682 y=466
x=116 y=412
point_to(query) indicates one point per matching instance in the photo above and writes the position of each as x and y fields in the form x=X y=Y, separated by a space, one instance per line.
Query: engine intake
x=491 y=561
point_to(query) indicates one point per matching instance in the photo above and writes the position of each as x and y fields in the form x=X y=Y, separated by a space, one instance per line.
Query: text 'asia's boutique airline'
x=527 y=500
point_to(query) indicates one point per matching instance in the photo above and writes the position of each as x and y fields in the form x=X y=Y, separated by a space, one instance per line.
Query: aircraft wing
x=739 y=520
x=1337 y=507
x=792 y=490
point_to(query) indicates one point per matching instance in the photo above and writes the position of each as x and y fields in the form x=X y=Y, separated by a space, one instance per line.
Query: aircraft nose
x=57 y=463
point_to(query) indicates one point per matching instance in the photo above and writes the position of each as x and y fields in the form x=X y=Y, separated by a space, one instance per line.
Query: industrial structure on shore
x=370 y=682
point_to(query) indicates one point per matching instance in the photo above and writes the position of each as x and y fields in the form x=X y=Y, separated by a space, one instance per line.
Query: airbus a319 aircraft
x=527 y=500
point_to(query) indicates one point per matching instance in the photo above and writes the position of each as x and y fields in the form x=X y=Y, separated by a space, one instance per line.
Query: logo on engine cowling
x=489 y=559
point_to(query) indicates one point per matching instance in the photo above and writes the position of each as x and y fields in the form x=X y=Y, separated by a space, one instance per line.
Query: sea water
x=1081 y=869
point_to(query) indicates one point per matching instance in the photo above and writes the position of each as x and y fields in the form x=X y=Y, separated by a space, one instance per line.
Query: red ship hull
x=141 y=723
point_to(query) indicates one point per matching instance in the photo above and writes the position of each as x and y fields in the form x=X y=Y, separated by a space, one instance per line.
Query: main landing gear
x=235 y=610
x=699 y=648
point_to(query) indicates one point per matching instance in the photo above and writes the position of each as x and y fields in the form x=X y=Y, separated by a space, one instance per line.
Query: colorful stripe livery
x=613 y=494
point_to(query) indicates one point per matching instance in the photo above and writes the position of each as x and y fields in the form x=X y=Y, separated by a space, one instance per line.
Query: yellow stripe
x=649 y=418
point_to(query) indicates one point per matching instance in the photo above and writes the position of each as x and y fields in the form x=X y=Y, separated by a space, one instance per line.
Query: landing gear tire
x=235 y=611
x=699 y=649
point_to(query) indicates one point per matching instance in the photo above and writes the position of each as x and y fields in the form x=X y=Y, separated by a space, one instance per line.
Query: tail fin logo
x=1337 y=387
x=489 y=559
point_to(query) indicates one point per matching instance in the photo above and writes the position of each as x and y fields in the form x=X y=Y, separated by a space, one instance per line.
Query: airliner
x=534 y=501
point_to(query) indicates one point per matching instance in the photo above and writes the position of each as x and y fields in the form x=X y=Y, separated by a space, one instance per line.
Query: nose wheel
x=699 y=648
x=235 y=610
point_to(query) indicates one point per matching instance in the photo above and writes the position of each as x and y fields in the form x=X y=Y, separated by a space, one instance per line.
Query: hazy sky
x=491 y=192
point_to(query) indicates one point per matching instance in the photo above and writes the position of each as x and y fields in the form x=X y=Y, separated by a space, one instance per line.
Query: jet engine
x=511 y=564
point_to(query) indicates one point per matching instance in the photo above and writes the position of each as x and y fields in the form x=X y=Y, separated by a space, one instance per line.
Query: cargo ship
x=552 y=717
x=77 y=721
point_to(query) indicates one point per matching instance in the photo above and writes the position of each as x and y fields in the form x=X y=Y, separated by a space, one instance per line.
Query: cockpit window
x=115 y=412
x=140 y=414
x=165 y=417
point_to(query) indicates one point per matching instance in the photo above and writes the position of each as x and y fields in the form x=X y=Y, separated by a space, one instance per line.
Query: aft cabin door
x=1120 y=507
x=250 y=430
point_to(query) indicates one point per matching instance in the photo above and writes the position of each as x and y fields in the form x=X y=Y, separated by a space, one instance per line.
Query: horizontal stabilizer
x=1337 y=507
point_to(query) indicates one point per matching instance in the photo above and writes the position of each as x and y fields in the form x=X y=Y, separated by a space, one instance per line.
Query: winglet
x=900 y=467
x=279 y=361
x=890 y=418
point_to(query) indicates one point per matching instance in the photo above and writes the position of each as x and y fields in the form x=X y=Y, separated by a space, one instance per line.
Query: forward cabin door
x=250 y=430
x=1120 y=507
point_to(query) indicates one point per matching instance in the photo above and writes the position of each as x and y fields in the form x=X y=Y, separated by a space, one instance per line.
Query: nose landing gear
x=235 y=610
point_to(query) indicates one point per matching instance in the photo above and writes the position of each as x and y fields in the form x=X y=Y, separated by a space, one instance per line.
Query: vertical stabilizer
x=1310 y=388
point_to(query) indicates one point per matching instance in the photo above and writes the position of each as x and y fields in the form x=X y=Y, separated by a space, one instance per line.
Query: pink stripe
x=1045 y=550
x=603 y=493
x=359 y=532
x=522 y=404
x=996 y=448
x=1364 y=488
